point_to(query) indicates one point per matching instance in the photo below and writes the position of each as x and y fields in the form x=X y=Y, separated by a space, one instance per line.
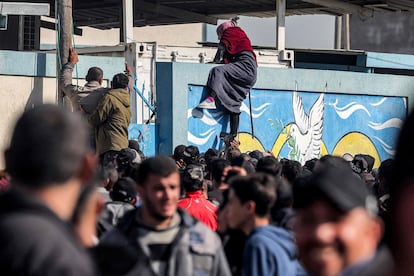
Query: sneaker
x=208 y=103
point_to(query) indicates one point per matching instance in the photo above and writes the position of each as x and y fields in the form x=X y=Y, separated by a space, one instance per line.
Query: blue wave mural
x=376 y=119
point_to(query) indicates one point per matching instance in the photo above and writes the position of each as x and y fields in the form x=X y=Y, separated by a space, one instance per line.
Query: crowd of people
x=65 y=213
x=78 y=198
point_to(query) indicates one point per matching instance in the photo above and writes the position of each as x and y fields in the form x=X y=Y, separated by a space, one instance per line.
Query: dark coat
x=34 y=241
x=111 y=120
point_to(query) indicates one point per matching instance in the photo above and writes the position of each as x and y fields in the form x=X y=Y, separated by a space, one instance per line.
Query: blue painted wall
x=44 y=65
x=372 y=107
x=32 y=64
x=379 y=103
x=344 y=121
x=145 y=135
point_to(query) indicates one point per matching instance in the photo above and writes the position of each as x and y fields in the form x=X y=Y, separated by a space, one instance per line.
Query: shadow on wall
x=36 y=95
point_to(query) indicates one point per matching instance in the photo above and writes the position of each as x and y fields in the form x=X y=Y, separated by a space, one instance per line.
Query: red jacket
x=200 y=208
x=236 y=41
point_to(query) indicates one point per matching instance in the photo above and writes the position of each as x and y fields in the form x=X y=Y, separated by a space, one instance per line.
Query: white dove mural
x=305 y=134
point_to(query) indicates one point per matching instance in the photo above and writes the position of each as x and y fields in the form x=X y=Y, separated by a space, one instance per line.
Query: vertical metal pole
x=20 y=41
x=281 y=25
x=338 y=32
x=128 y=21
x=131 y=54
x=347 y=37
x=64 y=40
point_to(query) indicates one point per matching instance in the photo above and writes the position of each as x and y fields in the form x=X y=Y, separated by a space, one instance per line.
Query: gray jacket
x=196 y=250
x=88 y=96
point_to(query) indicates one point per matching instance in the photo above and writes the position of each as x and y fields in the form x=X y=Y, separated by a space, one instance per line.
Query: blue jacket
x=270 y=251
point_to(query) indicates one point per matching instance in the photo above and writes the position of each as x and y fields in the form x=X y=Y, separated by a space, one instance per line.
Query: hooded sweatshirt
x=111 y=120
x=270 y=251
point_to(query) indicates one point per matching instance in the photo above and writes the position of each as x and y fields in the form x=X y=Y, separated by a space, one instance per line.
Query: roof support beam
x=281 y=25
x=52 y=26
x=344 y=6
x=127 y=21
x=178 y=13
x=98 y=22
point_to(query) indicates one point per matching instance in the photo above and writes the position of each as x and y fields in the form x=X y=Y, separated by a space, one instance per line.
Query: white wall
x=175 y=35
x=17 y=94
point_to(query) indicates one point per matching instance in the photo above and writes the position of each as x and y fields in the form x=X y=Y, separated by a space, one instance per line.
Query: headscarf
x=224 y=26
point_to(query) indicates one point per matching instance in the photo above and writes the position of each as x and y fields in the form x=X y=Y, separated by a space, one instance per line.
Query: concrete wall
x=28 y=79
x=174 y=35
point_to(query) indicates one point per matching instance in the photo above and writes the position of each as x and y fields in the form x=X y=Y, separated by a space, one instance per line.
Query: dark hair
x=110 y=173
x=94 y=74
x=179 y=152
x=290 y=169
x=191 y=154
x=256 y=154
x=403 y=168
x=47 y=147
x=192 y=178
x=257 y=187
x=284 y=194
x=133 y=144
x=162 y=166
x=124 y=190
x=368 y=158
x=217 y=168
x=333 y=161
x=385 y=170
x=310 y=164
x=210 y=154
x=270 y=165
x=125 y=159
x=120 y=81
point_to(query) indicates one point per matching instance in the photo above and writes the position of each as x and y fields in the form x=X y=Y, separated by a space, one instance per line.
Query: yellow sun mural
x=249 y=143
x=354 y=143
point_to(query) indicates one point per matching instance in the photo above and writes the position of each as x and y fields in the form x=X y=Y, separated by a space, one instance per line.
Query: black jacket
x=34 y=241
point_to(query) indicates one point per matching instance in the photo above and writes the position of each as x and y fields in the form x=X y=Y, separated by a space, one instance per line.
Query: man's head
x=331 y=161
x=49 y=146
x=124 y=190
x=159 y=188
x=336 y=224
x=385 y=172
x=126 y=159
x=94 y=74
x=217 y=169
x=192 y=178
x=270 y=165
x=191 y=155
x=250 y=197
x=120 y=81
x=402 y=200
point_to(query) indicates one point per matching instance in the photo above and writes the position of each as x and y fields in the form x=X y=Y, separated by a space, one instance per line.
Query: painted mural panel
x=302 y=125
x=145 y=135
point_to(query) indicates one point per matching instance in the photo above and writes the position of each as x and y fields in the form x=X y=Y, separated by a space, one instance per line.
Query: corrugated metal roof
x=105 y=14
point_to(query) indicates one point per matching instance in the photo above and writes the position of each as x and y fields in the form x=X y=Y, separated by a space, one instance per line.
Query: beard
x=152 y=210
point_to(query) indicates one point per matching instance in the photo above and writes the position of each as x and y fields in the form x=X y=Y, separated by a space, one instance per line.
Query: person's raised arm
x=131 y=80
x=219 y=57
x=66 y=74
